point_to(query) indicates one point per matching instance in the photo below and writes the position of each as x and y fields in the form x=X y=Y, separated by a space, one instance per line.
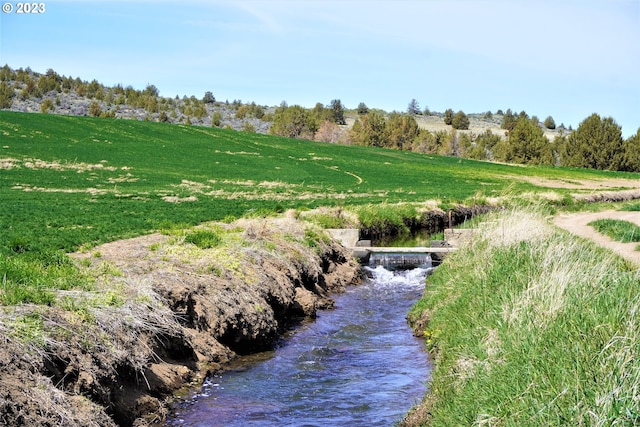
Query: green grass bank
x=531 y=326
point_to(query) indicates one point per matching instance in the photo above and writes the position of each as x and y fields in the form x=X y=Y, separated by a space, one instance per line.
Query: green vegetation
x=32 y=275
x=549 y=123
x=531 y=326
x=597 y=144
x=204 y=239
x=526 y=144
x=618 y=230
x=71 y=182
x=377 y=218
x=460 y=121
x=298 y=122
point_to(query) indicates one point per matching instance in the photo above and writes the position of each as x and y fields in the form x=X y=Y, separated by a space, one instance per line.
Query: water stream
x=356 y=365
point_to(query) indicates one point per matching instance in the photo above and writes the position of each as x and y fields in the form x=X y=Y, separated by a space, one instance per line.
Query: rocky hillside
x=28 y=91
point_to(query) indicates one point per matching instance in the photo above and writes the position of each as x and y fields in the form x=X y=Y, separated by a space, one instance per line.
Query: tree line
x=597 y=143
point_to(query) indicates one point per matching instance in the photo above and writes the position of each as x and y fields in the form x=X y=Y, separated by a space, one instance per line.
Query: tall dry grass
x=532 y=326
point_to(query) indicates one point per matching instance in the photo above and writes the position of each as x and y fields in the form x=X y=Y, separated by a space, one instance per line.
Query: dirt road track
x=577 y=224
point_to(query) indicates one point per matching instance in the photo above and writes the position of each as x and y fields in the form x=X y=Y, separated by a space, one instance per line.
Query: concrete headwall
x=458 y=237
x=347 y=236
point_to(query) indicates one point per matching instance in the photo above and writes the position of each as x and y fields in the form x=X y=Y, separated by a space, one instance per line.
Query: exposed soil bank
x=166 y=314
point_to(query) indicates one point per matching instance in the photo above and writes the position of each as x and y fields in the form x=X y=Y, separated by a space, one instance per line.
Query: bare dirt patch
x=583 y=185
x=577 y=224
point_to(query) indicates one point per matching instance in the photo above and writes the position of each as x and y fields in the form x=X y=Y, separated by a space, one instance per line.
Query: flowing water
x=356 y=365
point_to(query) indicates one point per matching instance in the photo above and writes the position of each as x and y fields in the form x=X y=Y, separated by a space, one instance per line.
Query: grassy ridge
x=532 y=326
x=69 y=181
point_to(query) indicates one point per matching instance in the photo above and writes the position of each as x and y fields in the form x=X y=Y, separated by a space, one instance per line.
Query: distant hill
x=508 y=137
x=28 y=91
x=25 y=90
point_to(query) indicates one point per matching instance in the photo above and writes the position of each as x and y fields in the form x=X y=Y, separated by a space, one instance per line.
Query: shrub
x=362 y=108
x=94 y=109
x=6 y=96
x=401 y=130
x=46 y=106
x=248 y=127
x=328 y=132
x=369 y=130
x=204 y=239
x=448 y=116
x=460 y=121
x=216 y=120
x=293 y=122
x=549 y=123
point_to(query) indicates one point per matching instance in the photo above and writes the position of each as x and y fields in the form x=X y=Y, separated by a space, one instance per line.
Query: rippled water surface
x=357 y=365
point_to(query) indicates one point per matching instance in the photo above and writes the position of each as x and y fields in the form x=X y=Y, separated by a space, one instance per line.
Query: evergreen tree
x=208 y=98
x=401 y=130
x=337 y=112
x=414 y=107
x=509 y=120
x=369 y=130
x=460 y=121
x=448 y=116
x=549 y=123
x=362 y=108
x=294 y=122
x=526 y=144
x=596 y=144
x=631 y=158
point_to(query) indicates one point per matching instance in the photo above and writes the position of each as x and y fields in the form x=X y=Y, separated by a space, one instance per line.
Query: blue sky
x=564 y=58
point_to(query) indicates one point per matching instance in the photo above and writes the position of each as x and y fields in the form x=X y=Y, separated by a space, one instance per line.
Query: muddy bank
x=162 y=315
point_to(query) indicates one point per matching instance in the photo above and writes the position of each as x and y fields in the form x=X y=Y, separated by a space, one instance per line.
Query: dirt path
x=577 y=224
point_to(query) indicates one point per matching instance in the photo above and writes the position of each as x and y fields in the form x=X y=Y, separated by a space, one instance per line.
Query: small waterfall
x=400 y=261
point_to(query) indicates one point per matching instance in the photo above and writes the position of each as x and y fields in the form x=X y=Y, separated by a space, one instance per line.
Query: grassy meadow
x=68 y=182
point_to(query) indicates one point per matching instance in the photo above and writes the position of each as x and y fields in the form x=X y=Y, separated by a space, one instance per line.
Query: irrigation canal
x=356 y=365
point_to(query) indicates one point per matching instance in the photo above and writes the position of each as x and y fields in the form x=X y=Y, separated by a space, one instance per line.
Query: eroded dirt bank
x=162 y=315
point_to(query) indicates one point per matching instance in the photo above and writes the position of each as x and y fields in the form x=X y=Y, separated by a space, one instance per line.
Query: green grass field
x=72 y=181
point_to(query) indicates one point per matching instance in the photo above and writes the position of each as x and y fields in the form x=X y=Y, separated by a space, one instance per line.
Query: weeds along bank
x=146 y=317
x=531 y=326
